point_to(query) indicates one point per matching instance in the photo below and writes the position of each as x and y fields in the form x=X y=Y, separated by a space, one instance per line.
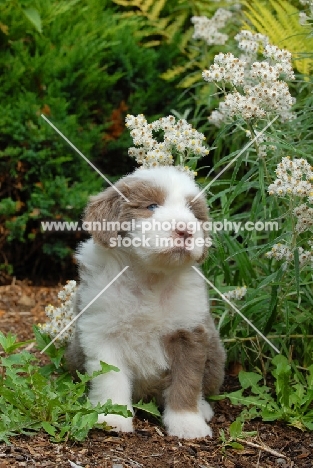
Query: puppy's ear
x=200 y=210
x=106 y=207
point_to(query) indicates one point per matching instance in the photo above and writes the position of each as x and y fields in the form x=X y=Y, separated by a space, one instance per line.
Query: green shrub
x=79 y=63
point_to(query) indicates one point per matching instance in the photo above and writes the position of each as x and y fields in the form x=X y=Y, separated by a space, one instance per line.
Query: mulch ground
x=275 y=445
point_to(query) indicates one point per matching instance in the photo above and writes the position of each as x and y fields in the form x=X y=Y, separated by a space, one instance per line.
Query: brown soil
x=275 y=445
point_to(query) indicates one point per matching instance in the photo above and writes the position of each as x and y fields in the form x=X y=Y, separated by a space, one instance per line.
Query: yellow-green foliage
x=279 y=20
x=151 y=10
x=167 y=18
x=170 y=20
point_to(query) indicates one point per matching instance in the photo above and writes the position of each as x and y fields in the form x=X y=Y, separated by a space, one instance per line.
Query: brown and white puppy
x=153 y=321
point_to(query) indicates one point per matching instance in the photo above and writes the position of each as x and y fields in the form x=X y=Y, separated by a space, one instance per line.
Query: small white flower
x=61 y=316
x=280 y=252
x=237 y=293
x=303 y=18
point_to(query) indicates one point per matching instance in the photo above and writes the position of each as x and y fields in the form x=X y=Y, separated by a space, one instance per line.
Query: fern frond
x=156 y=9
x=176 y=26
x=190 y=80
x=174 y=72
x=279 y=20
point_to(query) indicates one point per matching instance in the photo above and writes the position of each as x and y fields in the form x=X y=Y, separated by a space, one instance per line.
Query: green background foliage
x=83 y=66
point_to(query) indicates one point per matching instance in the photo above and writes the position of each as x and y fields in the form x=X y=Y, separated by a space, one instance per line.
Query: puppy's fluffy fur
x=153 y=322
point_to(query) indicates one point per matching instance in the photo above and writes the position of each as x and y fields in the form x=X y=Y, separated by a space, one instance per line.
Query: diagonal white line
x=83 y=156
x=85 y=308
x=234 y=159
x=236 y=310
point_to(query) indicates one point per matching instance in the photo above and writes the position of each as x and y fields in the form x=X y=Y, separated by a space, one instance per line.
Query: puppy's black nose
x=183 y=233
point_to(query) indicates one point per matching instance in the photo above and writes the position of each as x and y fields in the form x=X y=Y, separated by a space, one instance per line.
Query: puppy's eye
x=152 y=207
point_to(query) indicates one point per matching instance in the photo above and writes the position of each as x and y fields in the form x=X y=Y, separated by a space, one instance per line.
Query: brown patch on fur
x=111 y=206
x=200 y=210
x=198 y=207
x=186 y=352
x=204 y=254
x=214 y=366
x=141 y=194
x=105 y=205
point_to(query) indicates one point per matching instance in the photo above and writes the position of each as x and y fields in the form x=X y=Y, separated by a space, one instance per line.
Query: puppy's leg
x=115 y=386
x=185 y=410
x=214 y=367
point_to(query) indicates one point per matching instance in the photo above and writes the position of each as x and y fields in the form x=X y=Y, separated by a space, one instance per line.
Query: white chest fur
x=137 y=310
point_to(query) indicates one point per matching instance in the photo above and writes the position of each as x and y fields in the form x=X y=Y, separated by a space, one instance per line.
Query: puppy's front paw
x=117 y=422
x=206 y=410
x=186 y=424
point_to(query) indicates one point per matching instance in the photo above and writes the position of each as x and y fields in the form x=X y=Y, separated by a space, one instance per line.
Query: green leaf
x=150 y=408
x=268 y=415
x=105 y=368
x=250 y=379
x=48 y=428
x=282 y=375
x=34 y=17
x=81 y=425
x=9 y=343
x=42 y=340
x=235 y=429
x=112 y=408
x=236 y=445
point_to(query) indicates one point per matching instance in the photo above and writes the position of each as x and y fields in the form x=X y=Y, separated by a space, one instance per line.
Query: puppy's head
x=160 y=224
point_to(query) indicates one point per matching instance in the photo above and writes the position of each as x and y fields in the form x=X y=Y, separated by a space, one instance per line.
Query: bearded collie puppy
x=153 y=320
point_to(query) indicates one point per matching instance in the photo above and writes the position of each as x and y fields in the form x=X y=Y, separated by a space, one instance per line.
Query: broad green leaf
x=9 y=343
x=268 y=415
x=282 y=383
x=82 y=423
x=249 y=379
x=235 y=429
x=33 y=16
x=48 y=428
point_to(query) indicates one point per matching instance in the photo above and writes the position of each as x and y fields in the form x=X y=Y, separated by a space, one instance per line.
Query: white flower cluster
x=257 y=90
x=304 y=215
x=280 y=252
x=283 y=252
x=227 y=68
x=294 y=177
x=208 y=29
x=250 y=44
x=237 y=293
x=178 y=138
x=60 y=317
